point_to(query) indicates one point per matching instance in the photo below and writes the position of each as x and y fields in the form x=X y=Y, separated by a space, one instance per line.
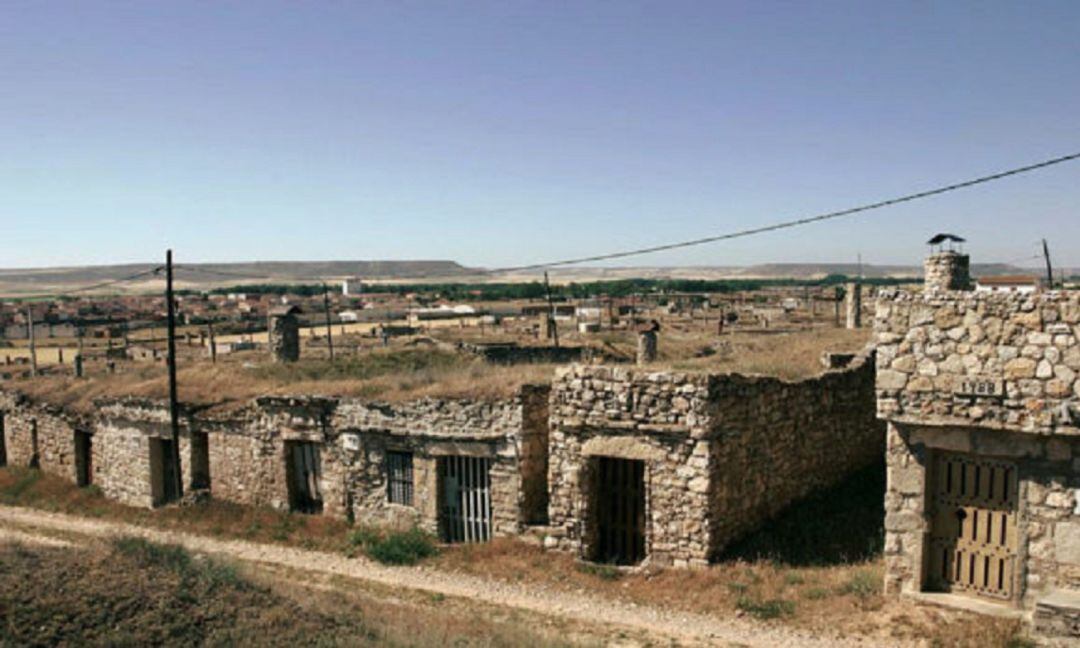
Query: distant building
x=1008 y=283
x=352 y=286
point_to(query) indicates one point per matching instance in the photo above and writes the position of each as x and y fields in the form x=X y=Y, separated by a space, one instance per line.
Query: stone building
x=671 y=467
x=43 y=436
x=982 y=402
x=467 y=470
x=133 y=451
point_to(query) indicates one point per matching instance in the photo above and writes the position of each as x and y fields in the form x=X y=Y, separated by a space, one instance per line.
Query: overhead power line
x=97 y=286
x=799 y=221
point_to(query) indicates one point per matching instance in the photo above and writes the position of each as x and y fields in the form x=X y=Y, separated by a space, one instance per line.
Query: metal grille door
x=466 y=493
x=973 y=535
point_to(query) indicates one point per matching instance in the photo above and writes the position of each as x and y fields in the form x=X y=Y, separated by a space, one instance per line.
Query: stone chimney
x=947 y=270
x=646 y=342
x=284 y=333
x=854 y=305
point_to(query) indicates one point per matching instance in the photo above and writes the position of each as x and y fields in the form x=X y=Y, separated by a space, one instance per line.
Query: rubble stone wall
x=777 y=442
x=504 y=431
x=993 y=360
x=122 y=434
x=722 y=453
x=39 y=435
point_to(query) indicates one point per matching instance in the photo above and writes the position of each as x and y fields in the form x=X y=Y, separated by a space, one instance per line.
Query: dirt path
x=667 y=625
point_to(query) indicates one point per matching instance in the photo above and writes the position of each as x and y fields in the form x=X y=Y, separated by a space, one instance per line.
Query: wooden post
x=213 y=343
x=79 y=358
x=1049 y=270
x=30 y=334
x=174 y=406
x=329 y=330
x=551 y=310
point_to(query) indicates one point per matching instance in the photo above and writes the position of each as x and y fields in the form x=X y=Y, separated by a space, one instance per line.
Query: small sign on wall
x=976 y=386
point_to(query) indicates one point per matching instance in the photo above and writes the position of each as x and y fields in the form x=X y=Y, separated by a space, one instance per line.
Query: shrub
x=394 y=547
x=770 y=609
x=174 y=558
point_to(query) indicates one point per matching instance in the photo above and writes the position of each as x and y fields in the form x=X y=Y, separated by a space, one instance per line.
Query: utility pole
x=1049 y=270
x=30 y=334
x=79 y=358
x=174 y=408
x=551 y=309
x=326 y=310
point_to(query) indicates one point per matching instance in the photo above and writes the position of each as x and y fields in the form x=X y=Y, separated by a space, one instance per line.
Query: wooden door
x=619 y=511
x=304 y=473
x=973 y=537
x=84 y=458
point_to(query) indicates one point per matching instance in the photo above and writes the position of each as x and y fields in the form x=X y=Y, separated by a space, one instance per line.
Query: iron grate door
x=619 y=514
x=973 y=535
x=466 y=495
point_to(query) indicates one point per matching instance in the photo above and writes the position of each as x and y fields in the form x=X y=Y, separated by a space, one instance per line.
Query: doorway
x=303 y=471
x=163 y=486
x=973 y=536
x=84 y=458
x=465 y=485
x=618 y=511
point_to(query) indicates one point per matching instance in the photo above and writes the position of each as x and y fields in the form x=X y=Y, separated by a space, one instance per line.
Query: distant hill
x=14 y=282
x=200 y=276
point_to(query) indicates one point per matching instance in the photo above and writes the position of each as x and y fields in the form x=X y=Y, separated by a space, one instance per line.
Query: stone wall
x=995 y=360
x=722 y=453
x=778 y=442
x=504 y=431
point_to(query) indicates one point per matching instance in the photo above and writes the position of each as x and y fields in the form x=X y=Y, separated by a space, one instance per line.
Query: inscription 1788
x=977 y=386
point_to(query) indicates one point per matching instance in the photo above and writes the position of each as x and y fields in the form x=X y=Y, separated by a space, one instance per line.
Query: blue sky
x=506 y=133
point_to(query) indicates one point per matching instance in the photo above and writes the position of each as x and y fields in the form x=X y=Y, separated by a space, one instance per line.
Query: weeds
x=178 y=560
x=863 y=584
x=770 y=609
x=600 y=570
x=24 y=482
x=394 y=547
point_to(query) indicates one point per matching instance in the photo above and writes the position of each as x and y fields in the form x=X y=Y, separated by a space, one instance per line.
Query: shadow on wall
x=841 y=525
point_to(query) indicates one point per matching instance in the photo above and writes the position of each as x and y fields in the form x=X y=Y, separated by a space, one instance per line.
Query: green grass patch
x=600 y=570
x=21 y=485
x=394 y=547
x=863 y=584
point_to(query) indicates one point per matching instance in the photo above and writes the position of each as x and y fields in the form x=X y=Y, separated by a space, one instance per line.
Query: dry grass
x=841 y=596
x=382 y=375
x=134 y=592
x=844 y=599
x=404 y=372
